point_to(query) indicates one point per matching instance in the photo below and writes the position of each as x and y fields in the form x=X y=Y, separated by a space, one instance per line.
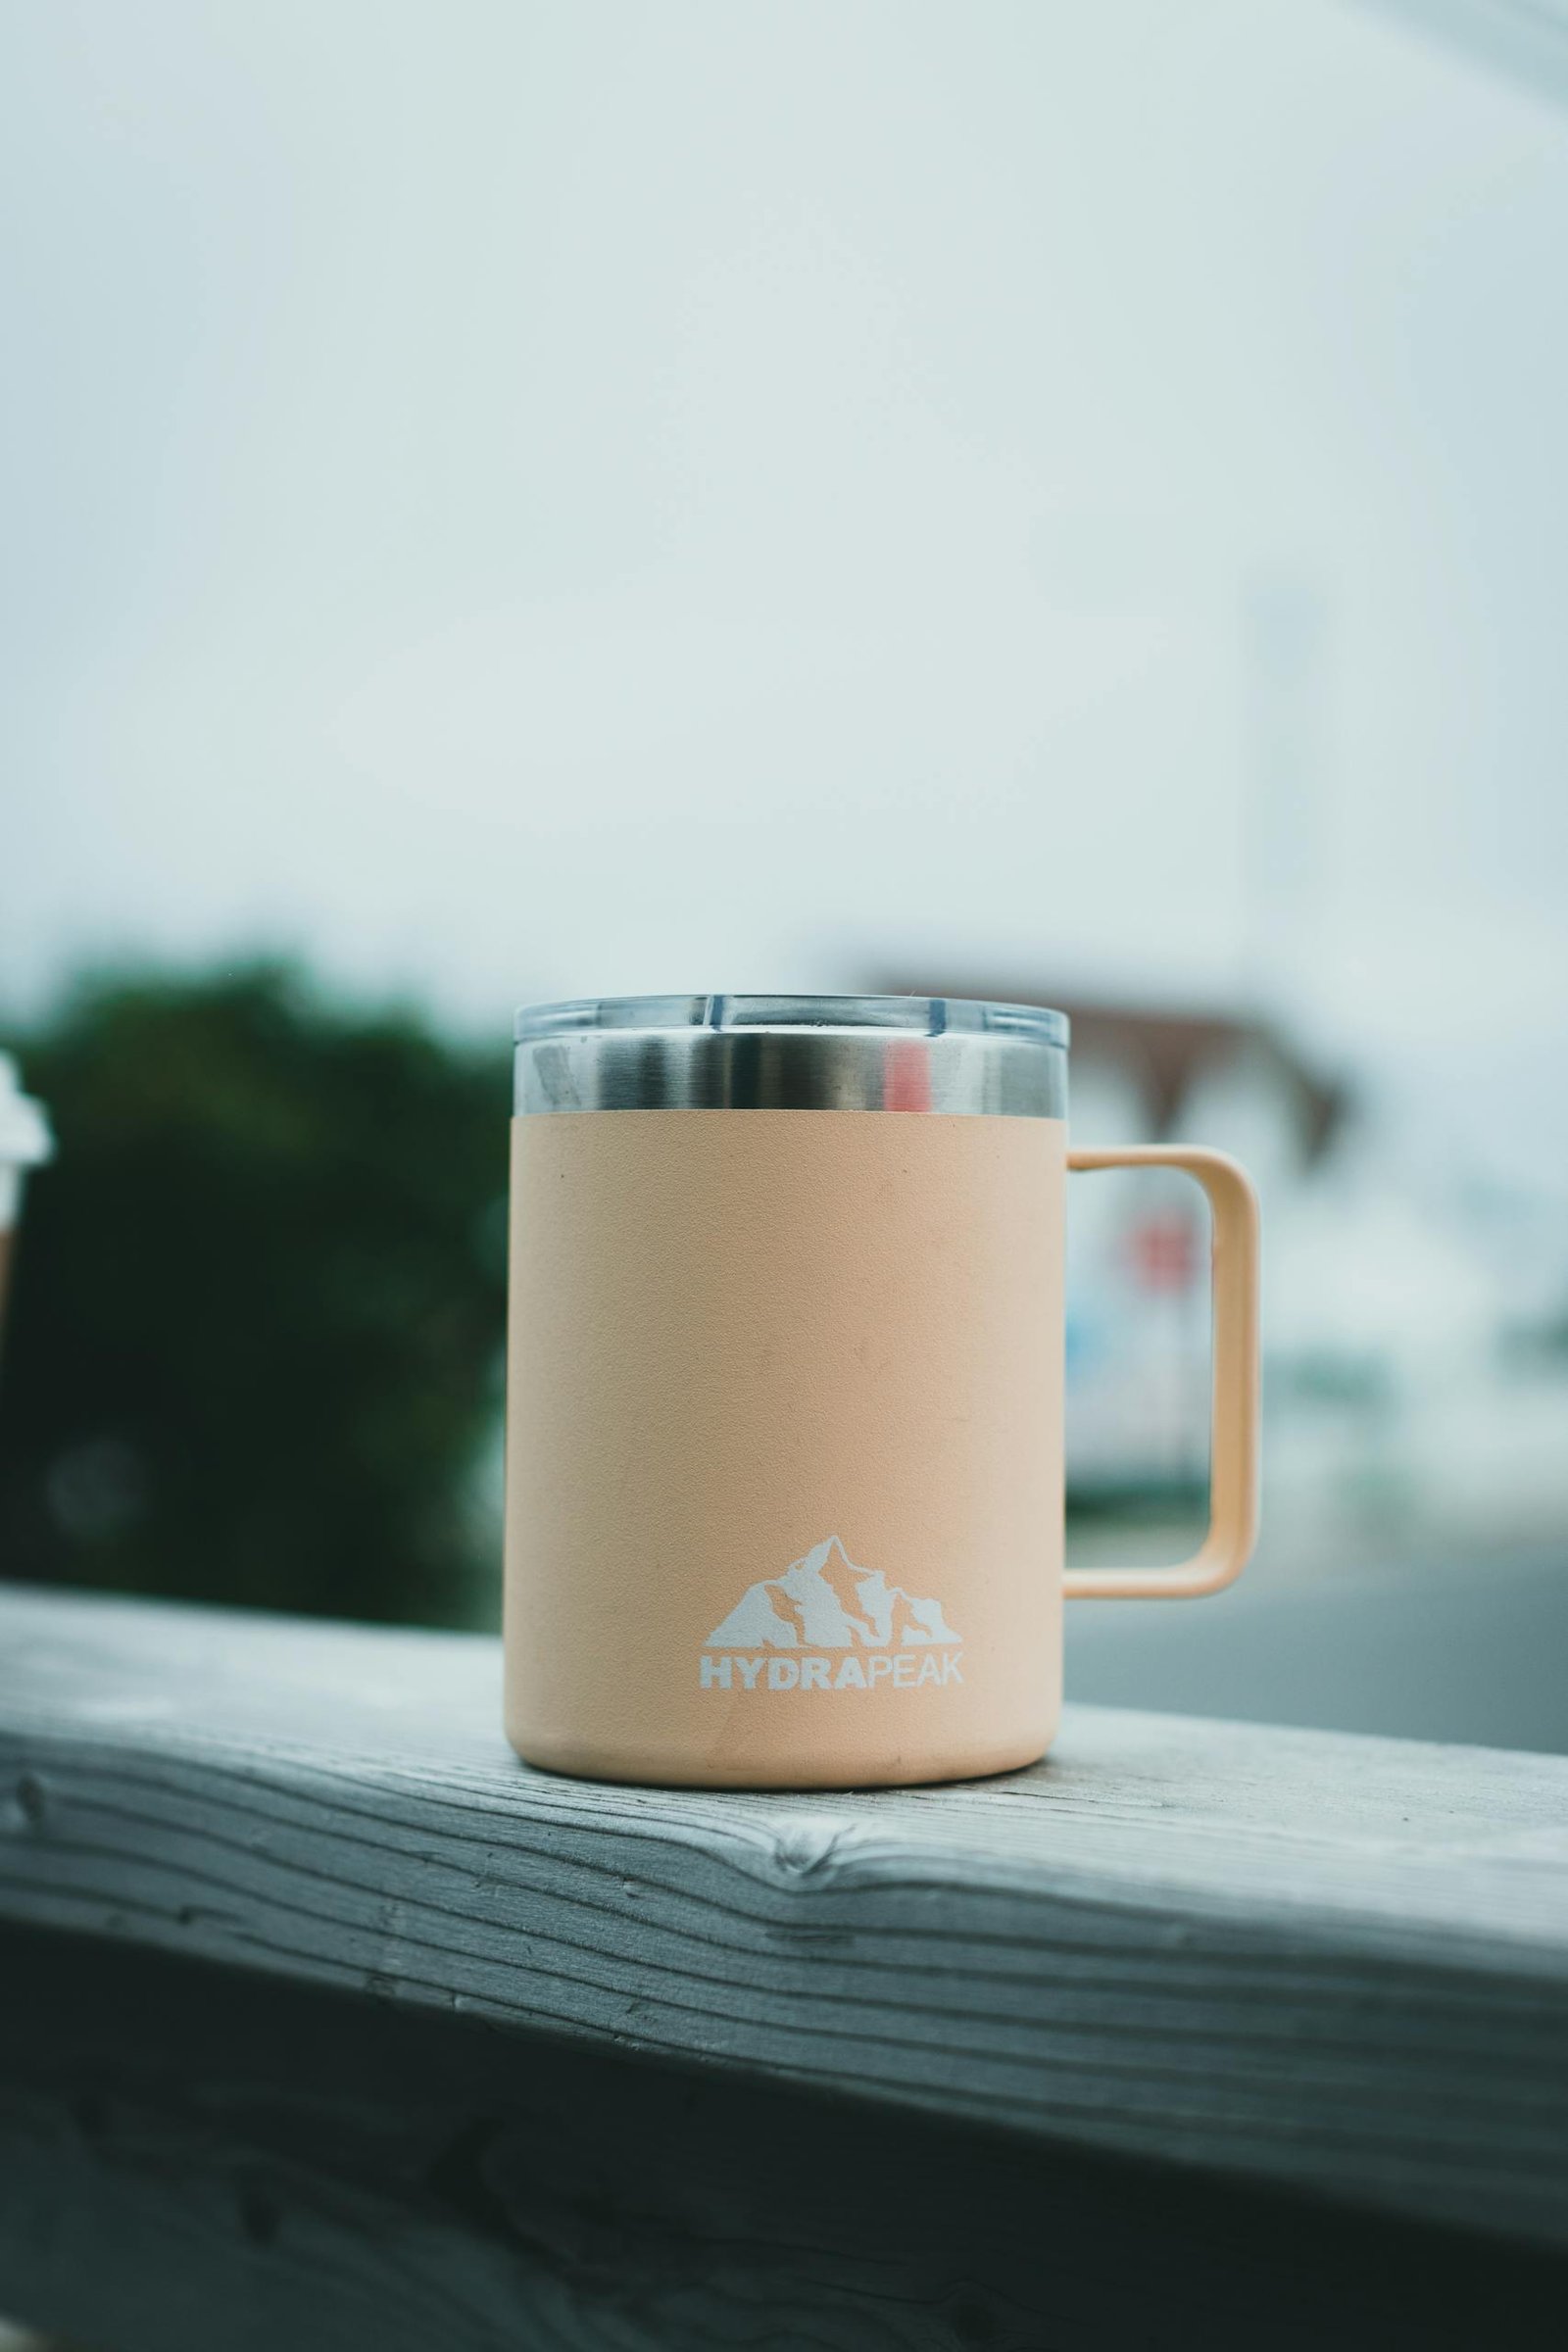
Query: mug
x=785 y=1368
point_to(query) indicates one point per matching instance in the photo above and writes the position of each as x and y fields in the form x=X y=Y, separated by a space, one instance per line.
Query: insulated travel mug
x=784 y=1451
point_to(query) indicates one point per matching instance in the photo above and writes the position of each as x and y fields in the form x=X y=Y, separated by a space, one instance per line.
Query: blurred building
x=1137 y=1308
x=1402 y=1400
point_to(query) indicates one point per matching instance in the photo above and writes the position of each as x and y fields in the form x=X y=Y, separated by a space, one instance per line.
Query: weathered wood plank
x=217 y=2157
x=1340 y=1964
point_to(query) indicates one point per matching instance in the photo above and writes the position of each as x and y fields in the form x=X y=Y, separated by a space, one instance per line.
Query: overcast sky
x=524 y=499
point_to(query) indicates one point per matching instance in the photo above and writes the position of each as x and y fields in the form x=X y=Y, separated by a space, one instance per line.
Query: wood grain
x=1336 y=1964
x=217 y=2157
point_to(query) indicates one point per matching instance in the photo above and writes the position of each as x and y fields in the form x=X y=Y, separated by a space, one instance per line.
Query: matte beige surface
x=735 y=1334
x=1236 y=1442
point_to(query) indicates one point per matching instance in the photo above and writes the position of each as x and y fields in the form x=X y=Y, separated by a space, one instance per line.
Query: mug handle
x=1234 y=1445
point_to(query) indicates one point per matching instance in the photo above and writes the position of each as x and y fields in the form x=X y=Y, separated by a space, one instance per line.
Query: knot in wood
x=28 y=1803
x=807 y=1847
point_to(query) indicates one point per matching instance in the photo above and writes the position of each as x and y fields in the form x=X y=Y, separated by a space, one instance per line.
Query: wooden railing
x=327 y=2024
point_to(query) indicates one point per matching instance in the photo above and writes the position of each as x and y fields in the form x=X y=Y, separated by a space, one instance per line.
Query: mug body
x=784 y=1456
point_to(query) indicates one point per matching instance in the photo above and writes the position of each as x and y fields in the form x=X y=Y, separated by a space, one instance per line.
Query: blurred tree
x=255 y=1340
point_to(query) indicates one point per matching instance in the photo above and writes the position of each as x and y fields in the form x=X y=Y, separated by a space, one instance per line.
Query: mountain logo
x=823 y=1601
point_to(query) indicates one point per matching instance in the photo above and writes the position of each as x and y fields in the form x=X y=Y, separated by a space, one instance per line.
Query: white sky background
x=521 y=500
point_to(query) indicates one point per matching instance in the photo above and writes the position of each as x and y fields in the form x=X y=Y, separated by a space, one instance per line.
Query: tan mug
x=784 y=1451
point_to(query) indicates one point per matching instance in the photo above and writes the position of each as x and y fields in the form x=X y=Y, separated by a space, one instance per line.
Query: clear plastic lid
x=916 y=1016
x=26 y=1137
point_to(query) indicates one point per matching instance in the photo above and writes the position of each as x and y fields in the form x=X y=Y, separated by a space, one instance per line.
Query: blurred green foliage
x=254 y=1346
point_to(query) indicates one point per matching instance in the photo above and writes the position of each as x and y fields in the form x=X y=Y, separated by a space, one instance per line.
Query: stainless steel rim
x=946 y=1055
